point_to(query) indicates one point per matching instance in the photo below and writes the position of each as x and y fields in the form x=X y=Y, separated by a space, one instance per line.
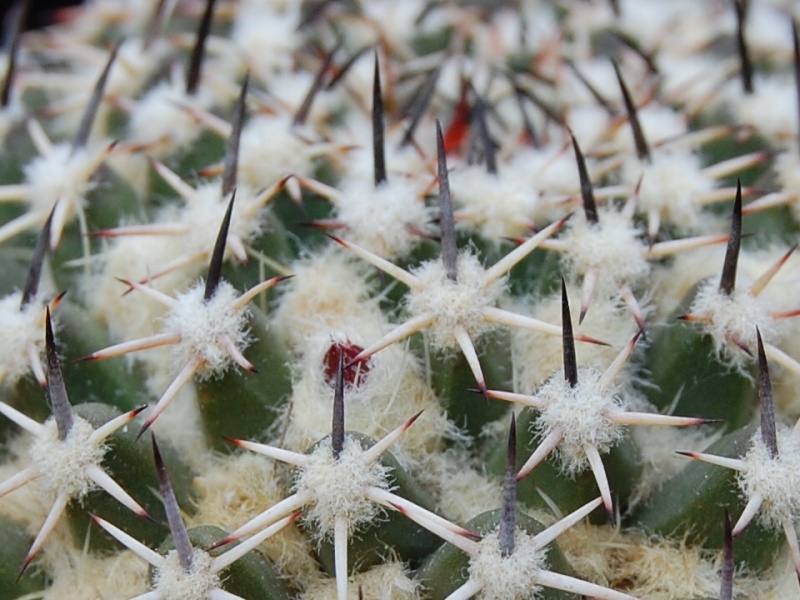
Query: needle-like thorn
x=337 y=427
x=726 y=587
x=305 y=107
x=592 y=89
x=570 y=360
x=727 y=281
x=35 y=271
x=87 y=120
x=59 y=402
x=199 y=49
x=642 y=148
x=419 y=105
x=509 y=506
x=378 y=147
x=176 y=525
x=766 y=403
x=217 y=256
x=18 y=19
x=489 y=150
x=587 y=192
x=154 y=24
x=448 y=223
x=741 y=46
x=231 y=172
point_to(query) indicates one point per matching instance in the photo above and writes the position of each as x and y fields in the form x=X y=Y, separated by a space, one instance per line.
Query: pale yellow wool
x=389 y=581
x=26 y=505
x=237 y=488
x=537 y=356
x=460 y=490
x=81 y=576
x=317 y=300
x=659 y=460
x=391 y=392
x=771 y=109
x=657 y=569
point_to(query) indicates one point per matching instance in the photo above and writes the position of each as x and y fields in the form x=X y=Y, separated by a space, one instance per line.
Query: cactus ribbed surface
x=276 y=275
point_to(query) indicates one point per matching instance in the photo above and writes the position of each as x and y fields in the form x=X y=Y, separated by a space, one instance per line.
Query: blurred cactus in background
x=323 y=253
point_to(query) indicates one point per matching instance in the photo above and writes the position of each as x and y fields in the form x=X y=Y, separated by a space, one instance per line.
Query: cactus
x=575 y=217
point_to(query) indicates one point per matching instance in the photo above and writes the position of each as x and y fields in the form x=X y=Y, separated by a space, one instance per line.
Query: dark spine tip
x=599 y=98
x=89 y=114
x=419 y=104
x=642 y=148
x=508 y=508
x=727 y=282
x=765 y=400
x=741 y=46
x=308 y=101
x=378 y=144
x=198 y=51
x=337 y=427
x=570 y=360
x=59 y=402
x=176 y=525
x=231 y=172
x=489 y=150
x=587 y=192
x=726 y=586
x=18 y=18
x=448 y=225
x=154 y=24
x=37 y=262
x=218 y=254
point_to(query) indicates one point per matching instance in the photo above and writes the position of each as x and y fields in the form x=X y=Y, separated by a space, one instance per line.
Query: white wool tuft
x=338 y=487
x=671 y=186
x=787 y=168
x=508 y=577
x=381 y=218
x=269 y=150
x=202 y=326
x=734 y=317
x=777 y=480
x=172 y=581
x=612 y=248
x=63 y=463
x=495 y=205
x=454 y=303
x=267 y=38
x=61 y=174
x=581 y=414
x=161 y=119
x=22 y=329
x=771 y=109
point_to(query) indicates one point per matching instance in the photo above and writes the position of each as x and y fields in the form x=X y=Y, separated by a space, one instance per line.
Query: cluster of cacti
x=517 y=341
